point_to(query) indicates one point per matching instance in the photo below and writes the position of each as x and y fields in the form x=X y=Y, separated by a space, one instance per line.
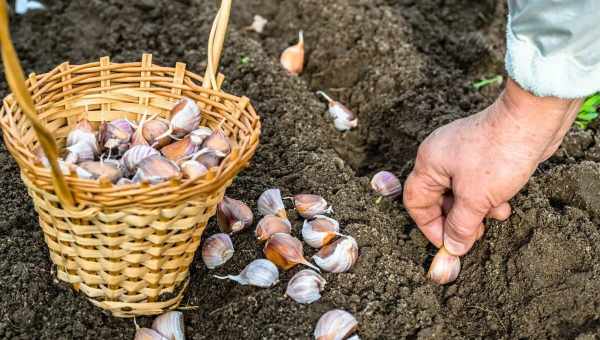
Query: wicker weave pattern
x=124 y=246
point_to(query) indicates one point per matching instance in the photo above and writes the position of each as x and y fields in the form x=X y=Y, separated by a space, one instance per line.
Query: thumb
x=462 y=227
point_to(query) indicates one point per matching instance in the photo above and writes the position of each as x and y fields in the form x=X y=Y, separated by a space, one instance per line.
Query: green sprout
x=496 y=80
x=588 y=112
x=244 y=60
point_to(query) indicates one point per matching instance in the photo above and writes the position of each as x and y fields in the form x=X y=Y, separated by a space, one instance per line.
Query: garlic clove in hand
x=336 y=324
x=386 y=184
x=270 y=203
x=271 y=224
x=193 y=169
x=185 y=117
x=155 y=169
x=286 y=251
x=320 y=231
x=132 y=157
x=152 y=131
x=339 y=256
x=292 y=59
x=260 y=273
x=181 y=149
x=148 y=334
x=218 y=142
x=343 y=118
x=305 y=286
x=170 y=325
x=200 y=134
x=233 y=215
x=308 y=205
x=217 y=250
x=444 y=268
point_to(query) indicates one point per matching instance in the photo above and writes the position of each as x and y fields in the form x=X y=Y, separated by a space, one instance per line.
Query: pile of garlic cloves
x=151 y=151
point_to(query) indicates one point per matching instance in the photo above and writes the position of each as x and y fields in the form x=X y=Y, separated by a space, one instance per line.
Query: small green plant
x=588 y=112
x=244 y=60
x=496 y=80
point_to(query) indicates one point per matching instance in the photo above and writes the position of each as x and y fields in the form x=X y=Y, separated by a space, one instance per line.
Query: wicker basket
x=128 y=248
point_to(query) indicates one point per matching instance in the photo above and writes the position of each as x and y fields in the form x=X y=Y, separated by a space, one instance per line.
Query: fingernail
x=454 y=247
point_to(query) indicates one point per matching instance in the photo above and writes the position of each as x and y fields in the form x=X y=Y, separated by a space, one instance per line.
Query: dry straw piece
x=128 y=248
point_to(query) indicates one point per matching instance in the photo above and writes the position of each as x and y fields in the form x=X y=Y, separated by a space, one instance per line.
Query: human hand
x=472 y=167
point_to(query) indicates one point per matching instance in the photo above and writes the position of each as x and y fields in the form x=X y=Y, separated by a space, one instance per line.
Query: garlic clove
x=200 y=134
x=270 y=203
x=148 y=334
x=115 y=136
x=320 y=231
x=132 y=157
x=339 y=256
x=138 y=138
x=260 y=273
x=170 y=325
x=336 y=324
x=108 y=169
x=286 y=251
x=271 y=224
x=83 y=133
x=217 y=250
x=152 y=131
x=193 y=169
x=308 y=205
x=218 y=142
x=306 y=286
x=292 y=59
x=155 y=169
x=386 y=184
x=208 y=158
x=185 y=117
x=40 y=157
x=80 y=152
x=179 y=150
x=444 y=267
x=124 y=181
x=233 y=215
x=343 y=118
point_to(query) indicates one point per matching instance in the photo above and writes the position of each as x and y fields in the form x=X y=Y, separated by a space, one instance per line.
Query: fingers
x=462 y=227
x=501 y=212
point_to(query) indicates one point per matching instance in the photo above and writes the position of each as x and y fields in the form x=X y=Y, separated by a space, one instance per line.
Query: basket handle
x=215 y=45
x=16 y=82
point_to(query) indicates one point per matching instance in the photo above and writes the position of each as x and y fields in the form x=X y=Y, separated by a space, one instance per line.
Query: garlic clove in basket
x=83 y=133
x=155 y=169
x=270 y=203
x=343 y=118
x=138 y=138
x=80 y=152
x=306 y=286
x=308 y=205
x=444 y=268
x=115 y=136
x=218 y=142
x=260 y=273
x=292 y=59
x=132 y=157
x=271 y=224
x=339 y=256
x=208 y=158
x=336 y=324
x=185 y=117
x=286 y=251
x=320 y=231
x=181 y=149
x=40 y=157
x=124 y=181
x=109 y=169
x=170 y=325
x=386 y=184
x=200 y=134
x=193 y=169
x=233 y=215
x=148 y=334
x=217 y=250
x=152 y=131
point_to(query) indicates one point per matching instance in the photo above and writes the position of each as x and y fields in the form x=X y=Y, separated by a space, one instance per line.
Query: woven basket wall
x=128 y=248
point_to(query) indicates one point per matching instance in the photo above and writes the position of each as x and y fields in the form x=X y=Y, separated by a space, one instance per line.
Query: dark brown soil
x=405 y=67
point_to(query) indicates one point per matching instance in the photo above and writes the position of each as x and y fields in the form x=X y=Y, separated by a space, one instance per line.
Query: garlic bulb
x=115 y=136
x=132 y=157
x=193 y=169
x=444 y=267
x=308 y=206
x=108 y=169
x=217 y=250
x=285 y=251
x=185 y=117
x=152 y=131
x=270 y=203
x=170 y=325
x=155 y=169
x=218 y=142
x=179 y=150
x=343 y=118
x=200 y=134
x=305 y=286
x=80 y=152
x=271 y=224
x=339 y=256
x=292 y=59
x=386 y=184
x=233 y=215
x=336 y=324
x=208 y=158
x=320 y=231
x=260 y=273
x=148 y=334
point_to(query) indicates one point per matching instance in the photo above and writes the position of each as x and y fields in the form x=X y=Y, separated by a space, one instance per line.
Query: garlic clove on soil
x=270 y=203
x=185 y=118
x=343 y=118
x=320 y=231
x=306 y=286
x=260 y=273
x=339 y=256
x=193 y=169
x=292 y=59
x=233 y=215
x=217 y=250
x=386 y=184
x=271 y=224
x=148 y=334
x=336 y=324
x=155 y=169
x=181 y=149
x=170 y=325
x=308 y=205
x=200 y=134
x=286 y=251
x=444 y=267
x=132 y=157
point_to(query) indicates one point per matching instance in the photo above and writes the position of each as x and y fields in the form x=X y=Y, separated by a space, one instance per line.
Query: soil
x=405 y=67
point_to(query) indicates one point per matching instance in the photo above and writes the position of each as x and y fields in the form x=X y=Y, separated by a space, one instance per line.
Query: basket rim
x=114 y=196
